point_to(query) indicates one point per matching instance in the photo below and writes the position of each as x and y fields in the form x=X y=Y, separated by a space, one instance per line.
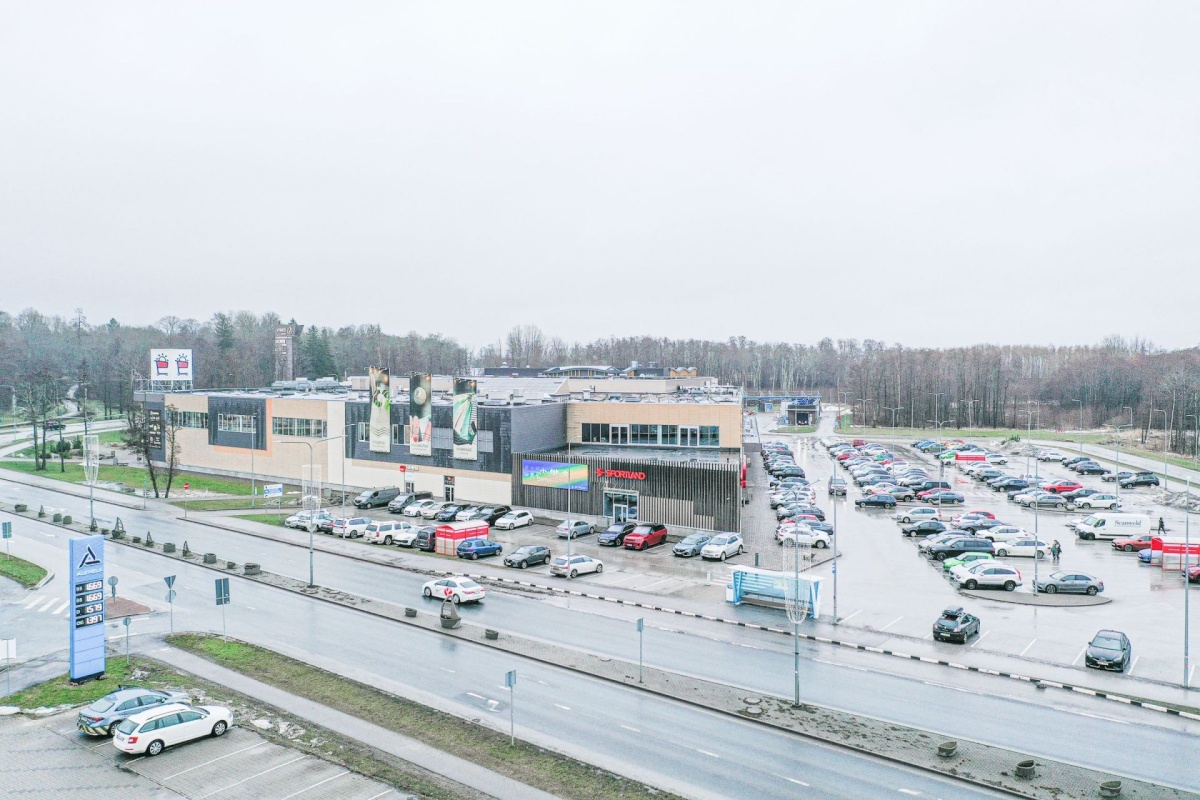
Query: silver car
x=1070 y=582
x=102 y=717
x=986 y=573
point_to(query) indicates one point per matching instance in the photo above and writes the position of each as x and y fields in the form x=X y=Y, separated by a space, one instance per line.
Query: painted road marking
x=1133 y=666
x=980 y=638
x=793 y=780
x=59 y=610
x=476 y=696
x=564 y=708
x=1026 y=650
x=890 y=624
x=215 y=760
x=856 y=613
x=626 y=727
x=705 y=752
x=49 y=602
x=252 y=777
x=37 y=599
x=1081 y=652
x=909 y=791
x=1100 y=716
x=318 y=783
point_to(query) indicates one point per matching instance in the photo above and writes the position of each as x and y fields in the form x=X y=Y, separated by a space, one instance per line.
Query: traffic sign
x=510 y=678
x=127 y=622
x=186 y=486
x=273 y=490
x=403 y=467
x=222 y=586
x=6 y=530
x=169 y=580
x=170 y=595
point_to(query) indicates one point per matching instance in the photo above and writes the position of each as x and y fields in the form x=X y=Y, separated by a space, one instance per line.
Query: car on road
x=1109 y=650
x=917 y=514
x=924 y=528
x=53 y=425
x=350 y=527
x=457 y=590
x=1099 y=500
x=478 y=548
x=1114 y=477
x=955 y=625
x=646 y=534
x=1132 y=544
x=103 y=715
x=528 y=555
x=572 y=566
x=1059 y=487
x=155 y=730
x=965 y=558
x=570 y=528
x=1074 y=582
x=989 y=574
x=876 y=501
x=1026 y=548
x=723 y=546
x=836 y=486
x=691 y=545
x=514 y=519
x=614 y=535
x=1139 y=479
x=320 y=518
x=957 y=547
x=942 y=497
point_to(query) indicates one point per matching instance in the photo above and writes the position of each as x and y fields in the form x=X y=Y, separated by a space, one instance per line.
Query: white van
x=1109 y=525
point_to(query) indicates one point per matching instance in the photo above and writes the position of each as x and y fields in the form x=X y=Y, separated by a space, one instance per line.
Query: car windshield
x=719 y=540
x=1107 y=642
x=642 y=529
x=127 y=726
x=615 y=529
x=694 y=539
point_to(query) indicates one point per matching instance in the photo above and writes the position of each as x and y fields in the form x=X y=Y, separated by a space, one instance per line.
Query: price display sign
x=87 y=607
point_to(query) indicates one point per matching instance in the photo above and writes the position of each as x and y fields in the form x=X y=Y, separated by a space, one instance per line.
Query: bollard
x=186 y=551
x=41 y=511
x=449 y=615
x=20 y=508
x=210 y=558
x=66 y=520
x=168 y=547
x=136 y=540
x=149 y=540
x=57 y=517
x=230 y=565
x=410 y=612
x=1026 y=769
x=251 y=569
x=947 y=749
x=491 y=634
x=1110 y=789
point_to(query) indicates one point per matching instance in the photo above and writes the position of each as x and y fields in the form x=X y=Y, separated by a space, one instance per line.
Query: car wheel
x=1009 y=586
x=940 y=556
x=455 y=599
x=819 y=544
x=1092 y=590
x=474 y=556
x=1085 y=505
x=599 y=568
x=155 y=748
x=723 y=555
x=220 y=728
x=971 y=584
x=574 y=573
x=387 y=540
x=740 y=550
x=1039 y=554
x=428 y=592
x=1001 y=553
x=523 y=564
x=1050 y=588
x=1128 y=548
x=906 y=520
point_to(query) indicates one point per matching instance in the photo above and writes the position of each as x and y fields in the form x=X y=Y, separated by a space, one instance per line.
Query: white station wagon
x=151 y=732
x=916 y=514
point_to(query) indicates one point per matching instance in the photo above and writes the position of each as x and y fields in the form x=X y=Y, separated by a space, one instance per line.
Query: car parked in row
x=1109 y=650
x=478 y=548
x=155 y=730
x=614 y=535
x=528 y=555
x=645 y=534
x=571 y=528
x=1075 y=582
x=101 y=717
x=513 y=520
x=350 y=527
x=690 y=545
x=723 y=546
x=986 y=574
x=575 y=565
x=955 y=625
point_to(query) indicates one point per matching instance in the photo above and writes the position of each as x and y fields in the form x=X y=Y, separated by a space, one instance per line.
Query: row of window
x=236 y=423
x=296 y=426
x=188 y=419
x=660 y=435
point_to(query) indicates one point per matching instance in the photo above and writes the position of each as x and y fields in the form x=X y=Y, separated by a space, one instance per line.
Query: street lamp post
x=893 y=410
x=864 y=401
x=936 y=403
x=1166 y=439
x=1187 y=558
x=835 y=553
x=1117 y=471
x=1080 y=423
x=312 y=512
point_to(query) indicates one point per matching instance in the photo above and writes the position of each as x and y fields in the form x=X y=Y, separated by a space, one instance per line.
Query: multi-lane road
x=699 y=753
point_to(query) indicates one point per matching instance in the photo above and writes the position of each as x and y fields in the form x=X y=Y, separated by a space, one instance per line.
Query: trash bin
x=729 y=593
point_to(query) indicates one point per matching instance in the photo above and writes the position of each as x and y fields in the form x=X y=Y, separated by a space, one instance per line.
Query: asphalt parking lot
x=48 y=758
x=886 y=587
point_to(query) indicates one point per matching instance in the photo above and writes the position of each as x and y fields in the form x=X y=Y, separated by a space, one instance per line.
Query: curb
x=1039 y=682
x=49 y=577
x=6 y=473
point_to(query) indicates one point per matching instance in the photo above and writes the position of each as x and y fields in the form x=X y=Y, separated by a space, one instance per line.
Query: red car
x=646 y=535
x=987 y=514
x=1058 y=487
x=846 y=455
x=1132 y=544
x=1193 y=573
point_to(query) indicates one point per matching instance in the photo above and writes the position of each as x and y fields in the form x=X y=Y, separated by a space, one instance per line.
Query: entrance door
x=689 y=435
x=621 y=506
x=447 y=487
x=620 y=512
x=619 y=434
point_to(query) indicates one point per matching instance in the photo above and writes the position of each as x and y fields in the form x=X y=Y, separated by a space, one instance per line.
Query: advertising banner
x=554 y=475
x=154 y=428
x=466 y=419
x=171 y=365
x=381 y=411
x=86 y=627
x=420 y=414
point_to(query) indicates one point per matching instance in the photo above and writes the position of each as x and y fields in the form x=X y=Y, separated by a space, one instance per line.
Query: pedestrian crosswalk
x=47 y=604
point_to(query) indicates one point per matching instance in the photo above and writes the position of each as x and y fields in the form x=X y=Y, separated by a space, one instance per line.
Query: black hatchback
x=614 y=535
x=527 y=555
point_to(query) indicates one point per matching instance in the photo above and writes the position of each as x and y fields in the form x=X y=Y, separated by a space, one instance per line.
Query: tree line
x=1118 y=382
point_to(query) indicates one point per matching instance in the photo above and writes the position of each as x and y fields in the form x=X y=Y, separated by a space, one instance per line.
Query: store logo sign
x=621 y=473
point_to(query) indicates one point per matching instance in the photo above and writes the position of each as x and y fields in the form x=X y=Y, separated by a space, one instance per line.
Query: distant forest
x=1115 y=382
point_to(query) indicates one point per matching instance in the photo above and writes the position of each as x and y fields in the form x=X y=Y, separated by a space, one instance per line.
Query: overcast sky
x=924 y=173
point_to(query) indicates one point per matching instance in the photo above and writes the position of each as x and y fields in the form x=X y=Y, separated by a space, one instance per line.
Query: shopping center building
x=661 y=448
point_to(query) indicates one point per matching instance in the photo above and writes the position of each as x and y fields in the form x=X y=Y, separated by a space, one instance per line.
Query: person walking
x=1055 y=550
x=1161 y=527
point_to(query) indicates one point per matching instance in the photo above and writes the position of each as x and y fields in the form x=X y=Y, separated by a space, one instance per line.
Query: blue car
x=474 y=548
x=1145 y=554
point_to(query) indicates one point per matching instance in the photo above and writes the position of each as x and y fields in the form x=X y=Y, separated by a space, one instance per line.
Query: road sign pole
x=640 y=627
x=510 y=679
x=223 y=634
x=127 y=622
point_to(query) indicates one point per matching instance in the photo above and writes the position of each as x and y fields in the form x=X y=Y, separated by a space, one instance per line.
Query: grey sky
x=928 y=173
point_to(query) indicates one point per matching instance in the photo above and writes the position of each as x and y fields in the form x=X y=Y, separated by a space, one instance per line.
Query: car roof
x=151 y=713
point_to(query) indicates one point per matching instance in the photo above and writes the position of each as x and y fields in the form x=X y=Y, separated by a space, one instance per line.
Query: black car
x=491 y=513
x=977 y=525
x=427 y=538
x=1009 y=484
x=528 y=554
x=1078 y=494
x=448 y=513
x=1109 y=650
x=837 y=486
x=1071 y=461
x=1090 y=468
x=52 y=425
x=1140 y=479
x=956 y=547
x=614 y=536
x=924 y=528
x=876 y=501
x=955 y=625
x=944 y=497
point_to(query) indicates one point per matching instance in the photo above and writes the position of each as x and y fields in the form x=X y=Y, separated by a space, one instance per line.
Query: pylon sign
x=87 y=607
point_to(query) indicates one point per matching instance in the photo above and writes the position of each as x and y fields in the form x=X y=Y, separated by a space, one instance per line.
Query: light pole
x=864 y=401
x=1028 y=444
x=835 y=552
x=1118 y=468
x=1130 y=410
x=1080 y=423
x=936 y=404
x=893 y=410
x=312 y=516
x=1166 y=439
x=1187 y=592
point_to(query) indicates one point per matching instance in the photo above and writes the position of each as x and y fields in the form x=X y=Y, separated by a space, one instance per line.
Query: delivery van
x=1112 y=525
x=373 y=498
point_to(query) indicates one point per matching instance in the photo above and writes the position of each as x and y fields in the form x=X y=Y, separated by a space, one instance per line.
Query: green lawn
x=266 y=519
x=543 y=769
x=23 y=572
x=59 y=691
x=794 y=429
x=133 y=477
x=916 y=434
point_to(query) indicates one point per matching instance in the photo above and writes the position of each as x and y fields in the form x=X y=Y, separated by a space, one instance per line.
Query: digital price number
x=90 y=597
x=94 y=619
x=89 y=609
x=90 y=586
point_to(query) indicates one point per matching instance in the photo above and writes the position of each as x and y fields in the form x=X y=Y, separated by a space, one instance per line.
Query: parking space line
x=890 y=624
x=252 y=777
x=980 y=639
x=381 y=794
x=1026 y=650
x=707 y=753
x=856 y=613
x=1133 y=666
x=1081 y=652
x=318 y=783
x=215 y=760
x=61 y=606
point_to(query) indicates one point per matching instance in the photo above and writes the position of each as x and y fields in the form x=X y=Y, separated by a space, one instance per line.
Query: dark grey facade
x=246 y=406
x=694 y=494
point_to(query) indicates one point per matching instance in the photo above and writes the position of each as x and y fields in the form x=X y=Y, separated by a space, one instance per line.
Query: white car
x=429 y=512
x=418 y=508
x=1022 y=547
x=997 y=458
x=571 y=566
x=390 y=533
x=406 y=534
x=514 y=519
x=986 y=572
x=1048 y=455
x=1109 y=501
x=300 y=520
x=458 y=590
x=722 y=546
x=916 y=514
x=351 y=527
x=802 y=534
x=1004 y=533
x=151 y=732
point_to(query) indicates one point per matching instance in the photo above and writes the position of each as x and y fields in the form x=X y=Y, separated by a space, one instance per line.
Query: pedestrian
x=1055 y=550
x=1161 y=527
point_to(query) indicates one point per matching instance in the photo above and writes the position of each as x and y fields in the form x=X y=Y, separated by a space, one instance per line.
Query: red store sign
x=620 y=473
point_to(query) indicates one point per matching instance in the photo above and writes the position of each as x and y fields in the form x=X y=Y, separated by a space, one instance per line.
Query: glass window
x=188 y=419
x=293 y=426
x=189 y=716
x=443 y=439
x=710 y=436
x=485 y=441
x=236 y=423
x=669 y=434
x=595 y=432
x=396 y=434
x=643 y=434
x=361 y=430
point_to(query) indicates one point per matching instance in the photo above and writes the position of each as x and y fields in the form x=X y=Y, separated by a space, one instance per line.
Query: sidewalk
x=449 y=766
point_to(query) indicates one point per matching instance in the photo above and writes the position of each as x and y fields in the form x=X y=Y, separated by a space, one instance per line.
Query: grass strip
x=534 y=766
x=132 y=477
x=795 y=429
x=268 y=519
x=60 y=691
x=23 y=572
